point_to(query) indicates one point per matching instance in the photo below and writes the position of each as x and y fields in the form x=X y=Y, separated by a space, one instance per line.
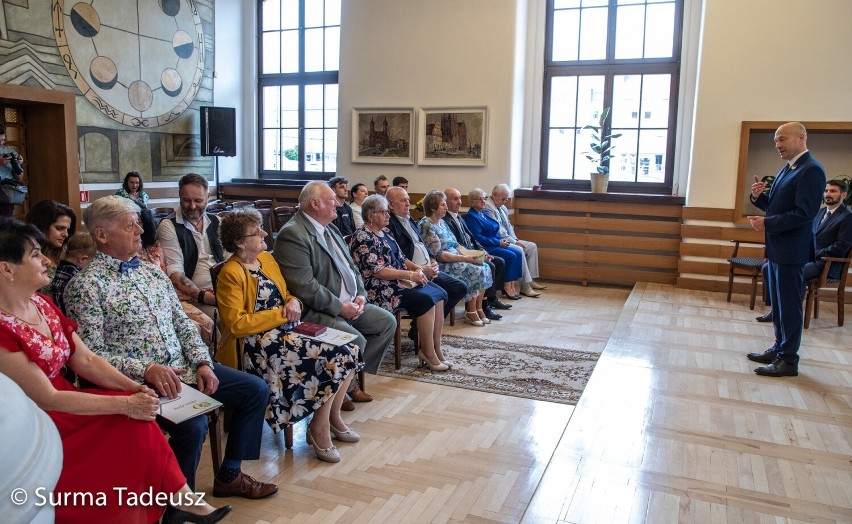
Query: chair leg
x=288 y=436
x=753 y=292
x=809 y=297
x=452 y=317
x=730 y=284
x=840 y=313
x=397 y=343
x=816 y=301
x=362 y=381
x=214 y=429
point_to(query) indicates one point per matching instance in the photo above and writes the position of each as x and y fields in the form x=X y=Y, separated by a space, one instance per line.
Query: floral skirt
x=302 y=373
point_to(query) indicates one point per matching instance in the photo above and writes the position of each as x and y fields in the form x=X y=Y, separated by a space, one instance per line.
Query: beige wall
x=409 y=53
x=764 y=60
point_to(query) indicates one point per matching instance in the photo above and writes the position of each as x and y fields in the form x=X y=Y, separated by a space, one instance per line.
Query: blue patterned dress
x=438 y=238
x=302 y=373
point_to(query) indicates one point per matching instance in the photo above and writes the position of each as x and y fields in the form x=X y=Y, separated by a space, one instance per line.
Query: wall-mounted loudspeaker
x=218 y=131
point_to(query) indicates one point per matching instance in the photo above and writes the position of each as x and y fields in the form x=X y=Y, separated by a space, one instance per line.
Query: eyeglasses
x=257 y=233
x=382 y=212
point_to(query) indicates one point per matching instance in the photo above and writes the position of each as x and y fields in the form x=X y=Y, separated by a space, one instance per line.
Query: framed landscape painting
x=383 y=136
x=453 y=136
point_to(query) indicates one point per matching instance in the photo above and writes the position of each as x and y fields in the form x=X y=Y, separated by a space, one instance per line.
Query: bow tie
x=133 y=263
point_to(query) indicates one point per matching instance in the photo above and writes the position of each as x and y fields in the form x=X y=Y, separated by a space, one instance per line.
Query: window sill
x=587 y=196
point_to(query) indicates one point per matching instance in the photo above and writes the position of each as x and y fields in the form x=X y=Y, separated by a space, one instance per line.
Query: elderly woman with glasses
x=442 y=245
x=393 y=282
x=257 y=316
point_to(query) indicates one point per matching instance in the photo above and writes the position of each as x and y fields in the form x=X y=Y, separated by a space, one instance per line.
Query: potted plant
x=601 y=146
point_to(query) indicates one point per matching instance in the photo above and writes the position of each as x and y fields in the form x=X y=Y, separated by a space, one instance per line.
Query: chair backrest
x=217 y=207
x=237 y=204
x=283 y=214
x=159 y=213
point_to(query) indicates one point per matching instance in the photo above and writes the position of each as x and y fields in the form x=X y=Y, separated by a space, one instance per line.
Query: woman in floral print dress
x=304 y=375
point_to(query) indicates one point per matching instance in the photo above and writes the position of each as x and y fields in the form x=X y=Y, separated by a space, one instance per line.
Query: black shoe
x=511 y=297
x=778 y=368
x=174 y=515
x=490 y=314
x=767 y=357
x=765 y=318
x=497 y=304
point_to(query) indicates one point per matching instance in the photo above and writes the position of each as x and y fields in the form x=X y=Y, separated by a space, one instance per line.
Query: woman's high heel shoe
x=329 y=454
x=344 y=436
x=174 y=515
x=433 y=367
x=473 y=319
x=481 y=314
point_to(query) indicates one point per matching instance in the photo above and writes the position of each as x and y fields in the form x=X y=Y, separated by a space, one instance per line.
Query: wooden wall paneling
x=612 y=242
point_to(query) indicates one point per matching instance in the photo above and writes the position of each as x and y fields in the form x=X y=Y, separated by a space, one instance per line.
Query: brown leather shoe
x=358 y=395
x=347 y=405
x=243 y=486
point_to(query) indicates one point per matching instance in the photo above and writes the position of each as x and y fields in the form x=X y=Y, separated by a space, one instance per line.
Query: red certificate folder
x=310 y=329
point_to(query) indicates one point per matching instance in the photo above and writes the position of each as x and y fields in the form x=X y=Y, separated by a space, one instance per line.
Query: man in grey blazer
x=319 y=271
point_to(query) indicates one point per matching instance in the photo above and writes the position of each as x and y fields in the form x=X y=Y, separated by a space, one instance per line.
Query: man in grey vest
x=190 y=243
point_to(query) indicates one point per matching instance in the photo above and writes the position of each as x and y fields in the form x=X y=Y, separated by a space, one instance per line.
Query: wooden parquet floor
x=673 y=427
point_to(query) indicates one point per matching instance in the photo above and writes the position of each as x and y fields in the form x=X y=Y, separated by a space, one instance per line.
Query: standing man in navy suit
x=790 y=207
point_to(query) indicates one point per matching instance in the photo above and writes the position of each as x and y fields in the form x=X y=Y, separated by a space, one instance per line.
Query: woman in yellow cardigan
x=257 y=317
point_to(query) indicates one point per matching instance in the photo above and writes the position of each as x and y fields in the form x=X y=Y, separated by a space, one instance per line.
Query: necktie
x=342 y=265
x=133 y=263
x=465 y=239
x=825 y=217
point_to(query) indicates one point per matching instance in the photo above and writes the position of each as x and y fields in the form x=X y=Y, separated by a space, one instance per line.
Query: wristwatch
x=200 y=297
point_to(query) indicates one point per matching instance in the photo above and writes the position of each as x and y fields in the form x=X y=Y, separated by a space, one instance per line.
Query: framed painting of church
x=383 y=136
x=452 y=136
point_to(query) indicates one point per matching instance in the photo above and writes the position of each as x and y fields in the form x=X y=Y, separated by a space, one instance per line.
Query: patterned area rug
x=505 y=368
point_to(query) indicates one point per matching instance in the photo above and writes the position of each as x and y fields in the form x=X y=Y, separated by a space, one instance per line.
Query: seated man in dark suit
x=345 y=222
x=405 y=232
x=464 y=237
x=833 y=231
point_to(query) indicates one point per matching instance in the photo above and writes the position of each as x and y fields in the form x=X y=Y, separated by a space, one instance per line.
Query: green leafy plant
x=601 y=144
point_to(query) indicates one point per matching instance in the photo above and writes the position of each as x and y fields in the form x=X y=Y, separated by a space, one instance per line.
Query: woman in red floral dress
x=117 y=465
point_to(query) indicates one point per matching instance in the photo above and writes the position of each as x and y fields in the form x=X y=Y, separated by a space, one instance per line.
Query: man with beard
x=190 y=243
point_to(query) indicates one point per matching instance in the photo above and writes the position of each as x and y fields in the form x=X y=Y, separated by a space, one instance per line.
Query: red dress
x=112 y=465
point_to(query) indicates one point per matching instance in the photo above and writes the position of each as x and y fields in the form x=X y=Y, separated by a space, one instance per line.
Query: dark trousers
x=786 y=292
x=455 y=288
x=498 y=270
x=811 y=270
x=248 y=396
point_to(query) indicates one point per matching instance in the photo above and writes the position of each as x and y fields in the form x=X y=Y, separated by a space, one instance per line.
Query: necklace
x=33 y=324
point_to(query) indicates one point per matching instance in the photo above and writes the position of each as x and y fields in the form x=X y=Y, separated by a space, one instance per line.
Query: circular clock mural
x=138 y=62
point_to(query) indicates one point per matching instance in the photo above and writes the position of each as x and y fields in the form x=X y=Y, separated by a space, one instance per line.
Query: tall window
x=299 y=52
x=623 y=54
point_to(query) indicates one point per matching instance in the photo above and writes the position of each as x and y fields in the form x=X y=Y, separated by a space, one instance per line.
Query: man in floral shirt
x=129 y=314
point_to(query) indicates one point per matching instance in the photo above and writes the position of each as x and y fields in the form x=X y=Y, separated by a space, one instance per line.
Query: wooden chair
x=744 y=266
x=159 y=213
x=216 y=424
x=218 y=207
x=823 y=282
x=283 y=214
x=397 y=338
x=264 y=207
x=237 y=204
